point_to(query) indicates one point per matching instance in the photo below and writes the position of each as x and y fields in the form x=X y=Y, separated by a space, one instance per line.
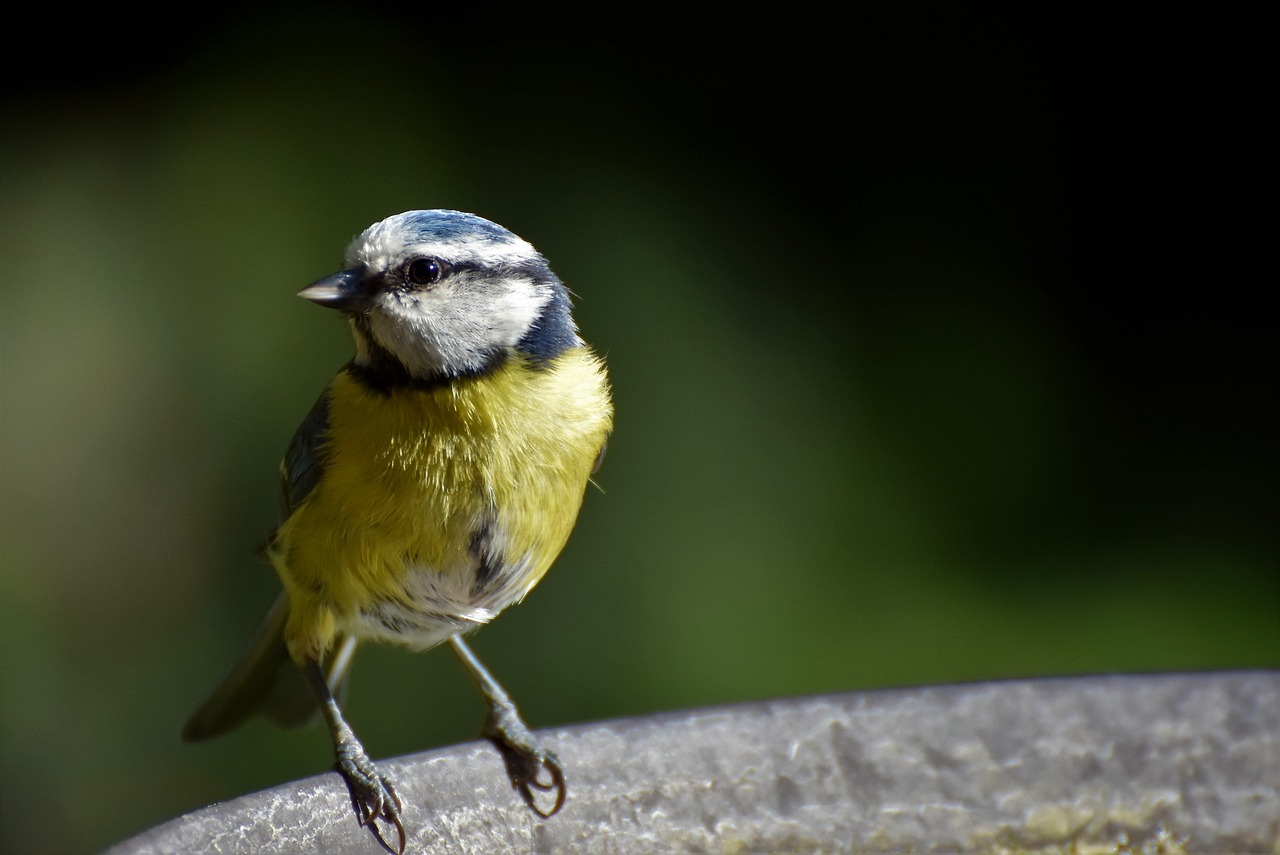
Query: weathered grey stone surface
x=1187 y=762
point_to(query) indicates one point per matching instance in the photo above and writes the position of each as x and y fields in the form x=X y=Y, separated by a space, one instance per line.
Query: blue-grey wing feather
x=304 y=459
x=265 y=680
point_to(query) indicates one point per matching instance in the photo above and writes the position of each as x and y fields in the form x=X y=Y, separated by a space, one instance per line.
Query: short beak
x=348 y=290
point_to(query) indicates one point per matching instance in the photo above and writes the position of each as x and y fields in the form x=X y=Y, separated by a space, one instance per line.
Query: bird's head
x=434 y=295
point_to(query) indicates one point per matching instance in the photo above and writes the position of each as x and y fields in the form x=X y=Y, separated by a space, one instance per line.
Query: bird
x=433 y=483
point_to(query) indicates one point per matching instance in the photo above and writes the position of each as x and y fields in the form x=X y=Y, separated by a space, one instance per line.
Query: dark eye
x=424 y=271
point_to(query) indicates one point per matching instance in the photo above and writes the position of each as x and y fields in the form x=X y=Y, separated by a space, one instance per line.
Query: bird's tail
x=265 y=681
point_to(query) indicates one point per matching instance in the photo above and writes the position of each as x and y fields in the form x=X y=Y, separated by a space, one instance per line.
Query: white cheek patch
x=410 y=343
x=456 y=328
x=515 y=309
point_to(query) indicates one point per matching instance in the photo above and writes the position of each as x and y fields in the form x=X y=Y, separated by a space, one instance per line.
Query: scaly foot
x=525 y=758
x=372 y=794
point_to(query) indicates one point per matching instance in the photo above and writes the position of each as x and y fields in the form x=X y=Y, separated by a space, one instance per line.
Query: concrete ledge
x=1189 y=762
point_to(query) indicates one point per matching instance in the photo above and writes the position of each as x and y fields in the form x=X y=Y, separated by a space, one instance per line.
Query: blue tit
x=432 y=485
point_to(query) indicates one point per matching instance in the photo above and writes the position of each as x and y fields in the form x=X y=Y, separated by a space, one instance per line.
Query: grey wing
x=291 y=704
x=265 y=680
x=304 y=459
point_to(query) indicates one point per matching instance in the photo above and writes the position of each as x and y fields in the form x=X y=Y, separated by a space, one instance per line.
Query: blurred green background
x=929 y=366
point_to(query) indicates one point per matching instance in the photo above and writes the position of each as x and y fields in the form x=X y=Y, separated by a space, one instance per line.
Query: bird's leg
x=525 y=757
x=372 y=794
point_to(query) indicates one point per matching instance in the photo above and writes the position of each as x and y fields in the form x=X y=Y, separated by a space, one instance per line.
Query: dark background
x=935 y=351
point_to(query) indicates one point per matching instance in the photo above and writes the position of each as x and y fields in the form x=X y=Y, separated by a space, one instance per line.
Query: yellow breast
x=439 y=507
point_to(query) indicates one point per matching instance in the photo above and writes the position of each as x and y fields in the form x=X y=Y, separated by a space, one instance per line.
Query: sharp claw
x=399 y=850
x=373 y=797
x=525 y=762
x=556 y=783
